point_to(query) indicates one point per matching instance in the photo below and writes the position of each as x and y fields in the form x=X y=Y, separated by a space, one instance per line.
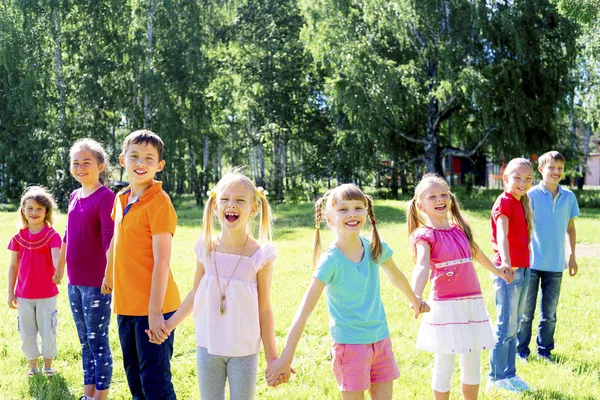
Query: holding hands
x=159 y=329
x=278 y=371
x=506 y=272
x=420 y=307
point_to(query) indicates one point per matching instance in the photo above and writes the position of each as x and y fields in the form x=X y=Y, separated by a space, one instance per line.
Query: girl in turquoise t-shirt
x=349 y=273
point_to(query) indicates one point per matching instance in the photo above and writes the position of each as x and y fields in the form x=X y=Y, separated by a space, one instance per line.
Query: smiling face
x=435 y=201
x=85 y=168
x=35 y=214
x=553 y=172
x=347 y=216
x=142 y=162
x=235 y=205
x=518 y=180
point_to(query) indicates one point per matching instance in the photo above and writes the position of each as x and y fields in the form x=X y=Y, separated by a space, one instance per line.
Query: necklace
x=222 y=292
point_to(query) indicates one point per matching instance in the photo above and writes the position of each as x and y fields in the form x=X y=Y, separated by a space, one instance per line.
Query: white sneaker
x=500 y=384
x=520 y=384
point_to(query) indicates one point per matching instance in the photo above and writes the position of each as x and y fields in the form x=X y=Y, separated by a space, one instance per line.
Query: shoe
x=523 y=357
x=500 y=384
x=547 y=358
x=520 y=384
x=33 y=372
x=48 y=371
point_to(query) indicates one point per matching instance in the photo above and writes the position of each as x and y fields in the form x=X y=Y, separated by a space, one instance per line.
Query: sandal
x=33 y=372
x=48 y=371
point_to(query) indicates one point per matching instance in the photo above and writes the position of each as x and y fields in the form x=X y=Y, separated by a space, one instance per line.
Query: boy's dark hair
x=146 y=137
x=550 y=156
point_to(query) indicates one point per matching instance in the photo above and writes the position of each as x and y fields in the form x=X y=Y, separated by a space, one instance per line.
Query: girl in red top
x=35 y=250
x=511 y=233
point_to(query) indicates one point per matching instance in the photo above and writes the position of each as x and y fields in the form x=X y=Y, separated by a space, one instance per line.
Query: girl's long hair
x=512 y=164
x=43 y=197
x=97 y=151
x=324 y=204
x=414 y=220
x=236 y=176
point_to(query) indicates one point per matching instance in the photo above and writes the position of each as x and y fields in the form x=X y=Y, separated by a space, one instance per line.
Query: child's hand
x=107 y=286
x=151 y=337
x=506 y=272
x=424 y=307
x=157 y=327
x=278 y=372
x=573 y=268
x=12 y=300
x=58 y=275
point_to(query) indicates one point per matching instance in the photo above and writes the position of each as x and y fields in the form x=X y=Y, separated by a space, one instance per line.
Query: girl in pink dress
x=231 y=293
x=458 y=322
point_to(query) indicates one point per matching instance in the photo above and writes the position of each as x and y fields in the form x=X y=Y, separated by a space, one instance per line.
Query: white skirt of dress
x=456 y=326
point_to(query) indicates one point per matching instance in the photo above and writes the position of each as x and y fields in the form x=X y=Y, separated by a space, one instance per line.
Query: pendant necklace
x=222 y=292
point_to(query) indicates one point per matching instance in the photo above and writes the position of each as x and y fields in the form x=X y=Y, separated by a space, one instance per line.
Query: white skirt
x=456 y=326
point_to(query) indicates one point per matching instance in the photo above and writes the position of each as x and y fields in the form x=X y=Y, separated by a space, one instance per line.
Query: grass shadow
x=579 y=367
x=49 y=388
x=543 y=394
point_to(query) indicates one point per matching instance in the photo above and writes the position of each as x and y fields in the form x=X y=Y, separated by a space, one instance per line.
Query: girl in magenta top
x=86 y=241
x=35 y=251
x=458 y=322
x=511 y=233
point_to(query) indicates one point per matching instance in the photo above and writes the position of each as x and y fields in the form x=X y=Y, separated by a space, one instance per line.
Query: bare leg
x=33 y=364
x=48 y=363
x=381 y=391
x=441 y=395
x=353 y=395
x=101 y=394
x=470 y=392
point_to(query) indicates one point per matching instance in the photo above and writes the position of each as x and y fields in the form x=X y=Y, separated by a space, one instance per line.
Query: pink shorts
x=357 y=366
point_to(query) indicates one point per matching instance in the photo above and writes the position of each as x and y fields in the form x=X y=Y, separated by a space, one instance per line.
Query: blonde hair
x=232 y=178
x=512 y=164
x=412 y=215
x=346 y=191
x=42 y=196
x=97 y=151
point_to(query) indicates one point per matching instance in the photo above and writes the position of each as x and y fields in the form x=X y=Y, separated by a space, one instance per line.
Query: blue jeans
x=550 y=291
x=147 y=365
x=510 y=303
x=91 y=312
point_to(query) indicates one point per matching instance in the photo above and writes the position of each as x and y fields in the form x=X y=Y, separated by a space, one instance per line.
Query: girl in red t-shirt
x=511 y=233
x=35 y=250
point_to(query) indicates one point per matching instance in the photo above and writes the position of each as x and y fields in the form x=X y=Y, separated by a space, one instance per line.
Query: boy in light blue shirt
x=554 y=209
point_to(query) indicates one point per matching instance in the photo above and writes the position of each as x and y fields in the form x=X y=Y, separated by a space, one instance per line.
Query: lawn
x=575 y=376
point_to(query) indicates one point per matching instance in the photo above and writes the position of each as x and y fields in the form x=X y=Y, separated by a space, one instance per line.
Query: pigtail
x=528 y=213
x=318 y=219
x=265 y=230
x=376 y=247
x=461 y=222
x=206 y=238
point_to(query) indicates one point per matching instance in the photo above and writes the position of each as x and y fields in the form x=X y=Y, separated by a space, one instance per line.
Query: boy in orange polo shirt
x=138 y=272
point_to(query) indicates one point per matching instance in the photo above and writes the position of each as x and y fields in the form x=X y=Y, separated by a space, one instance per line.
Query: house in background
x=592 y=175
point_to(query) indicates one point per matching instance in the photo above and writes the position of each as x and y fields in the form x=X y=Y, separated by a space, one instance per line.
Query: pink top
x=34 y=279
x=236 y=333
x=518 y=236
x=451 y=262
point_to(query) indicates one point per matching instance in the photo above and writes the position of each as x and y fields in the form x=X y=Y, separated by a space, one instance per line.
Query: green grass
x=576 y=376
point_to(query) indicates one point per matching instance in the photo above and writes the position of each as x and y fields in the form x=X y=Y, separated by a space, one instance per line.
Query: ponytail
x=265 y=230
x=376 y=247
x=317 y=249
x=462 y=223
x=206 y=237
x=528 y=213
x=413 y=220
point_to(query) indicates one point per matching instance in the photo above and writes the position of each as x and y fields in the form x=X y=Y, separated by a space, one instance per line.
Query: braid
x=318 y=219
x=376 y=247
x=528 y=213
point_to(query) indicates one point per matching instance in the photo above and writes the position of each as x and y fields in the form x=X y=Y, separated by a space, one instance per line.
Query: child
x=87 y=238
x=511 y=231
x=458 y=322
x=554 y=209
x=231 y=293
x=34 y=255
x=349 y=273
x=144 y=292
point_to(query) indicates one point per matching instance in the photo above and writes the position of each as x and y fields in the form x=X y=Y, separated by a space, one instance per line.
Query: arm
x=572 y=238
x=419 y=276
x=55 y=253
x=13 y=268
x=161 y=249
x=400 y=281
x=265 y=312
x=284 y=363
x=505 y=272
x=60 y=265
x=107 y=282
x=502 y=232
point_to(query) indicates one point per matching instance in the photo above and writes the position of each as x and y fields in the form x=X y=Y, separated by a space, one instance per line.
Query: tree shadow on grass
x=49 y=388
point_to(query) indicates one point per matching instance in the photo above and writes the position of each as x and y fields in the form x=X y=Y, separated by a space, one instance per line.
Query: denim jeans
x=510 y=303
x=147 y=365
x=550 y=291
x=91 y=312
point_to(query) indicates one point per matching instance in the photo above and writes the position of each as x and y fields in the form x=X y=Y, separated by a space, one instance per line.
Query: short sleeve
x=198 y=249
x=423 y=234
x=13 y=245
x=263 y=255
x=325 y=269
x=503 y=207
x=574 y=207
x=55 y=241
x=163 y=218
x=386 y=252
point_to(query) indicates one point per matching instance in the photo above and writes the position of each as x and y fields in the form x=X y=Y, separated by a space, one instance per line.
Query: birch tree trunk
x=148 y=65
